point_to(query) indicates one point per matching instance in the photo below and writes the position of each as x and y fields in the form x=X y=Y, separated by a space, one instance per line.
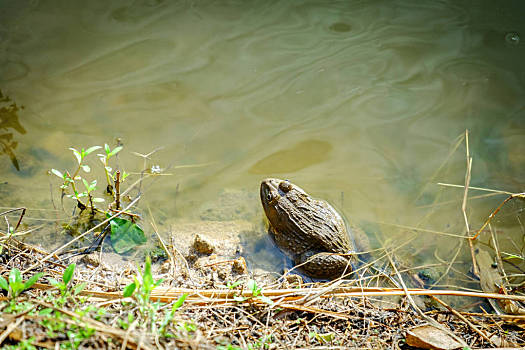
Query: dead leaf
x=429 y=337
x=502 y=343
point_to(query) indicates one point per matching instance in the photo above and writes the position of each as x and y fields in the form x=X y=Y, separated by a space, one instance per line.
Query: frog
x=308 y=230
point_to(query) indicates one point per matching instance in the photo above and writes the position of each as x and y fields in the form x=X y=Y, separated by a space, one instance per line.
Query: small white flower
x=155 y=169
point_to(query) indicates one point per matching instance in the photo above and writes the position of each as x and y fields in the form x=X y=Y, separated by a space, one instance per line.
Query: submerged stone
x=340 y=27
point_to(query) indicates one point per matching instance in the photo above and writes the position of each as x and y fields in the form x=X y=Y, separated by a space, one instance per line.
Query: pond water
x=361 y=103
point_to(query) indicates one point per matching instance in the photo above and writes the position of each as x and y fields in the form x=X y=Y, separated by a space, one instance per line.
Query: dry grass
x=344 y=314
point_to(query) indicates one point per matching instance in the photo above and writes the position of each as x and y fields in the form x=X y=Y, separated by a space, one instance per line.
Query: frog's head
x=275 y=197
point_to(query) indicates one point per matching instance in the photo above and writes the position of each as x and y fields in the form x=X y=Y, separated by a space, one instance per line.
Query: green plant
x=141 y=290
x=256 y=291
x=24 y=344
x=70 y=180
x=125 y=233
x=15 y=286
x=233 y=285
x=77 y=334
x=186 y=328
x=170 y=315
x=64 y=285
x=228 y=347
x=52 y=321
x=263 y=343
x=322 y=338
x=145 y=285
x=125 y=324
x=104 y=158
x=57 y=324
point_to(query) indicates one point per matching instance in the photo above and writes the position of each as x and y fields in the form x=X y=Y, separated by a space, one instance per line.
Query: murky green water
x=358 y=102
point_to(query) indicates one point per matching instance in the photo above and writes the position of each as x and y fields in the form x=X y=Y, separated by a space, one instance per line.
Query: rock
x=223 y=274
x=239 y=266
x=203 y=245
x=91 y=259
x=165 y=267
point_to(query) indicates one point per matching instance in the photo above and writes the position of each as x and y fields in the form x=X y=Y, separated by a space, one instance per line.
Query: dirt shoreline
x=228 y=305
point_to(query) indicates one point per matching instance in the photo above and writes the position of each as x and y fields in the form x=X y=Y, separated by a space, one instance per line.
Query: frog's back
x=301 y=223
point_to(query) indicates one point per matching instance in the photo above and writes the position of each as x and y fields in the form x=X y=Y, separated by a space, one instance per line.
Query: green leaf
x=92 y=149
x=86 y=168
x=128 y=291
x=233 y=285
x=45 y=311
x=57 y=173
x=511 y=256
x=125 y=235
x=327 y=337
x=147 y=278
x=98 y=200
x=252 y=285
x=158 y=282
x=190 y=326
x=322 y=337
x=54 y=282
x=115 y=151
x=179 y=302
x=107 y=149
x=77 y=155
x=239 y=298
x=29 y=283
x=15 y=276
x=3 y=283
x=90 y=186
x=68 y=273
x=79 y=288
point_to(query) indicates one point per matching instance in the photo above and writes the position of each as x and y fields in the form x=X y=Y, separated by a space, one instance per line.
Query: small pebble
x=239 y=266
x=223 y=274
x=294 y=280
x=91 y=259
x=165 y=267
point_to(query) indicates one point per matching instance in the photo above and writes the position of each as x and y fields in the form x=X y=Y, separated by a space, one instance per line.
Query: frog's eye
x=285 y=186
x=269 y=196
